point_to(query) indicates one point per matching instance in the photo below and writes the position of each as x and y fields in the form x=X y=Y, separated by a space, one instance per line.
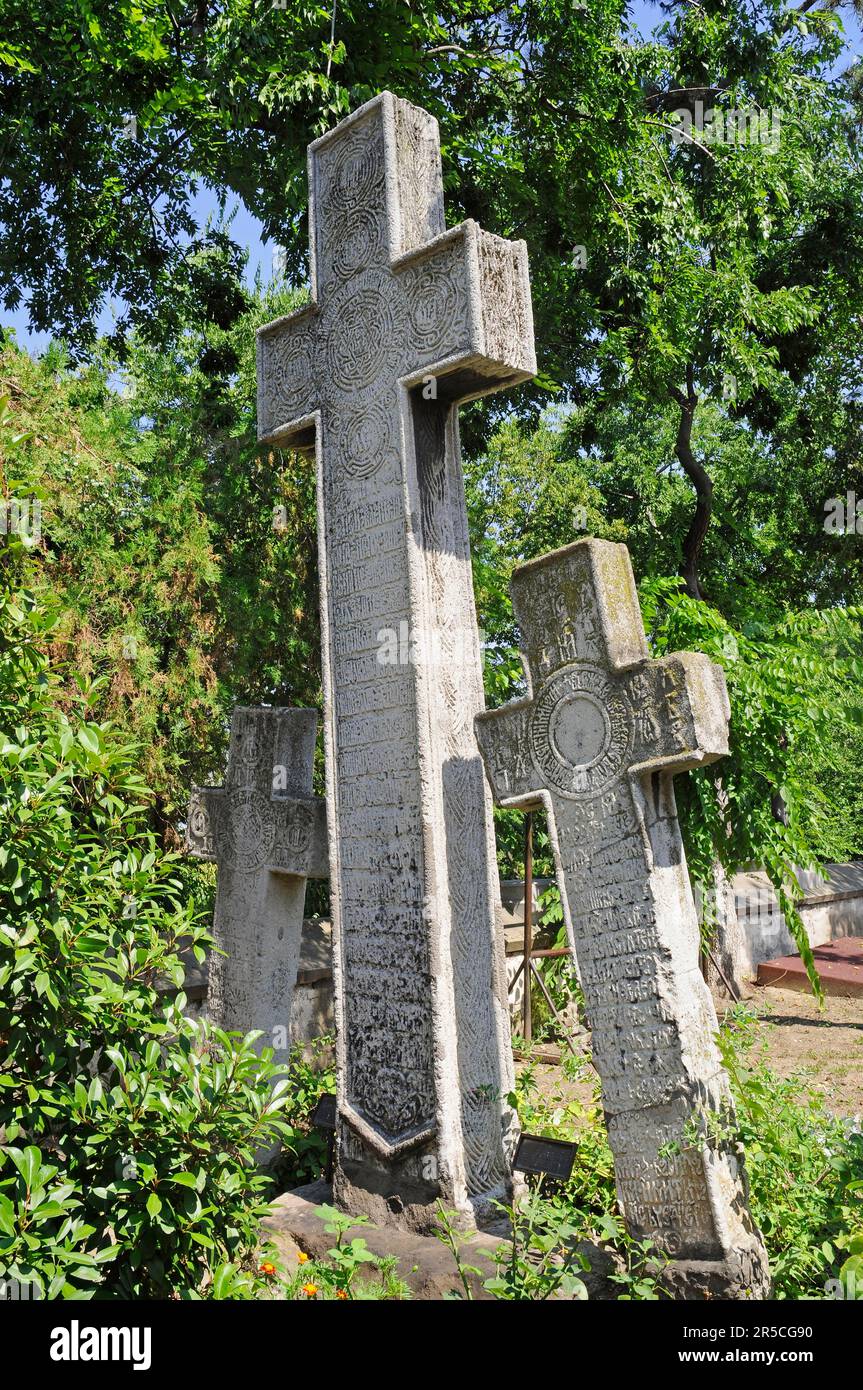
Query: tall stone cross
x=406 y=320
x=598 y=740
x=268 y=834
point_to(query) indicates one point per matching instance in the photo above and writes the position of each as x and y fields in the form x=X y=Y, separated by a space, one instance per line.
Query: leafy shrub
x=310 y=1075
x=128 y=1134
x=794 y=690
x=805 y=1167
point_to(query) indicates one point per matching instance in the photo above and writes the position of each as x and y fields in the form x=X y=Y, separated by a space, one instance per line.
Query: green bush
x=311 y=1074
x=128 y=1134
x=805 y=1169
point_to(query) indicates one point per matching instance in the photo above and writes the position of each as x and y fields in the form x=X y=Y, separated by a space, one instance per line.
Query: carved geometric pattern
x=366 y=438
x=292 y=367
x=356 y=241
x=506 y=309
x=420 y=191
x=437 y=305
x=606 y=732
x=579 y=731
x=397 y=297
x=251 y=827
x=368 y=345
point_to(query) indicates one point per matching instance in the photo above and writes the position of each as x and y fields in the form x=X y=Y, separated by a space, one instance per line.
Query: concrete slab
x=839 y=965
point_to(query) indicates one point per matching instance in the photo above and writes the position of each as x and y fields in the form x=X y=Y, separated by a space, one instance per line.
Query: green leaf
x=186 y=1180
x=8 y=1224
x=88 y=737
x=28 y=1162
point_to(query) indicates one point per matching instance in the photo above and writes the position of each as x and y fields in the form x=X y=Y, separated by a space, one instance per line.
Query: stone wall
x=752 y=929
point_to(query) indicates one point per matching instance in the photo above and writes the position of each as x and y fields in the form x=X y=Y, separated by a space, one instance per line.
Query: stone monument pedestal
x=428 y=1268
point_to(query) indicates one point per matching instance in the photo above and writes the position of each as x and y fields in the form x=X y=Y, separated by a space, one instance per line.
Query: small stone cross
x=268 y=834
x=597 y=741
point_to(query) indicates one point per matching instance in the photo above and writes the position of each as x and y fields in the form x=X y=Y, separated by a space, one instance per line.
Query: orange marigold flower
x=341 y=1293
x=310 y=1290
x=301 y=1257
x=268 y=1268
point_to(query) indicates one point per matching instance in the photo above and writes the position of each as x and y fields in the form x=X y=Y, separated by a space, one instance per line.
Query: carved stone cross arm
x=394 y=294
x=467 y=299
x=292 y=838
x=680 y=713
x=598 y=740
x=287 y=390
x=268 y=834
x=503 y=736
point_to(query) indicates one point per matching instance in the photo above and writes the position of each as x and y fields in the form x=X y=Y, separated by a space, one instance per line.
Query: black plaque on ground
x=324 y=1113
x=537 y=1155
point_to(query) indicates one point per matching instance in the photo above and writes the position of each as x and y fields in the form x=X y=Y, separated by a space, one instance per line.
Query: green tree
x=708 y=261
x=182 y=556
x=129 y=1136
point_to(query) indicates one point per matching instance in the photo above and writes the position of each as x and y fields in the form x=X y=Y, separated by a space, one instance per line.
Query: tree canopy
x=672 y=259
x=691 y=202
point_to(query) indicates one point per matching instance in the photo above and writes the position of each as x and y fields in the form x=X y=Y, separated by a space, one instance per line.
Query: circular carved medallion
x=579 y=731
x=356 y=242
x=251 y=828
x=365 y=439
x=365 y=342
x=356 y=170
x=293 y=371
x=298 y=836
x=433 y=306
x=199 y=822
x=248 y=748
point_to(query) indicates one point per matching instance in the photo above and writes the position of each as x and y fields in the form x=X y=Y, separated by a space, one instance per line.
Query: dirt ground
x=825 y=1045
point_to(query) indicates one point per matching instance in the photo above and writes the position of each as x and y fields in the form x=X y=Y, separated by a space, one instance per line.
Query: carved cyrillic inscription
x=400 y=301
x=602 y=719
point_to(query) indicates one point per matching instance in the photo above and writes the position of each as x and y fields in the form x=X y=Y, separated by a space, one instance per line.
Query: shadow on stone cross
x=597 y=742
x=268 y=834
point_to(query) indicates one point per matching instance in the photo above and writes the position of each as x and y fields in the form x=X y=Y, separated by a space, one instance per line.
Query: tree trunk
x=701 y=481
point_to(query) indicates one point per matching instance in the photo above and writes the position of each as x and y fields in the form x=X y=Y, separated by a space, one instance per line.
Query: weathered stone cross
x=407 y=319
x=268 y=834
x=598 y=740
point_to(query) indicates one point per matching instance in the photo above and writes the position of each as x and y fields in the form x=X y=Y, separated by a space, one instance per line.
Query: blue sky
x=248 y=232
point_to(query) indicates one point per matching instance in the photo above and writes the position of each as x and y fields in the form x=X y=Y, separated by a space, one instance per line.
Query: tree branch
x=681 y=135
x=701 y=481
x=453 y=48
